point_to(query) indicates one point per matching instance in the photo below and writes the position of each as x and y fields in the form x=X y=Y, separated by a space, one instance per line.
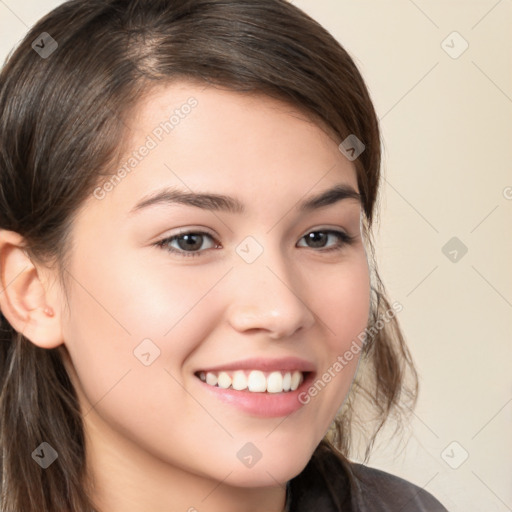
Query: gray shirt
x=330 y=483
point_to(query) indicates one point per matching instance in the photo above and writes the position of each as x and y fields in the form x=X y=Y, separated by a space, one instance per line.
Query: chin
x=272 y=472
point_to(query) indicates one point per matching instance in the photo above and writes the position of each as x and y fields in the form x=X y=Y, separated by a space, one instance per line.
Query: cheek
x=131 y=300
x=342 y=302
x=120 y=323
x=342 y=307
x=137 y=318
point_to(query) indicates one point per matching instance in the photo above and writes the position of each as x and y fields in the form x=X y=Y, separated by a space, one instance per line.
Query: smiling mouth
x=254 y=381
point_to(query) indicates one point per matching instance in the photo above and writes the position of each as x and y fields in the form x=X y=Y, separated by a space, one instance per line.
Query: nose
x=268 y=298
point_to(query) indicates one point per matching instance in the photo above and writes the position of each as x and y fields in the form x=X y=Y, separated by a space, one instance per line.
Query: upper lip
x=264 y=364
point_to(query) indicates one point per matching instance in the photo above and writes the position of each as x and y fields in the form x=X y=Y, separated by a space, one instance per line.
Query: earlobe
x=24 y=300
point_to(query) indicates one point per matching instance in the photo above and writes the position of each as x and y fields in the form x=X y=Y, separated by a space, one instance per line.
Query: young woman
x=192 y=317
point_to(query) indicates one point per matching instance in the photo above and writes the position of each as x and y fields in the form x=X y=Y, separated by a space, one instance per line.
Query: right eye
x=187 y=243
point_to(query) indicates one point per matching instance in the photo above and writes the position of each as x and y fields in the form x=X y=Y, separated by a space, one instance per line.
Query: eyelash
x=344 y=238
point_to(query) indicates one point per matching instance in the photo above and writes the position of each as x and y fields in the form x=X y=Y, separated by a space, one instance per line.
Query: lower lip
x=263 y=405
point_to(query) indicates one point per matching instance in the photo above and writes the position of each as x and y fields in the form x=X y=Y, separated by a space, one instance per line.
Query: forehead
x=186 y=118
x=157 y=100
x=206 y=139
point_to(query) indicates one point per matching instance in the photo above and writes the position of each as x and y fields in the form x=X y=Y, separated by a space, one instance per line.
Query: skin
x=156 y=441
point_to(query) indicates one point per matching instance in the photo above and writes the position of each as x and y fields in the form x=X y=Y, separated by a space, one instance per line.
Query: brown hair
x=62 y=116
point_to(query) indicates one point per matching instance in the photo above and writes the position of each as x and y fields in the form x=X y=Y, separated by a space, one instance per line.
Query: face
x=174 y=301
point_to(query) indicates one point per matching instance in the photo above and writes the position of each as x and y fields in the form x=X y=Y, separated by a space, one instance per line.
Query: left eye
x=319 y=237
x=190 y=243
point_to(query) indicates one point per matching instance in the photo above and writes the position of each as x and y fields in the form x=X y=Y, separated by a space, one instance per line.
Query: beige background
x=447 y=131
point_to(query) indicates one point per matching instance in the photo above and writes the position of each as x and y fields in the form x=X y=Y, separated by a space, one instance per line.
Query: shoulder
x=330 y=482
x=378 y=491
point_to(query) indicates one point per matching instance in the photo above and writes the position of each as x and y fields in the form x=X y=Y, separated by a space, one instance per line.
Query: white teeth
x=287 y=381
x=239 y=380
x=254 y=381
x=257 y=381
x=211 y=379
x=296 y=380
x=275 y=382
x=224 y=380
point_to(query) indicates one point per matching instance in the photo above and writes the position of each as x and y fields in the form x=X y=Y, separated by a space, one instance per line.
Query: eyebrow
x=219 y=202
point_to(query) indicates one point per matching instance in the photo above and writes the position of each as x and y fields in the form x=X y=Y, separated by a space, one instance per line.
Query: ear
x=25 y=298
